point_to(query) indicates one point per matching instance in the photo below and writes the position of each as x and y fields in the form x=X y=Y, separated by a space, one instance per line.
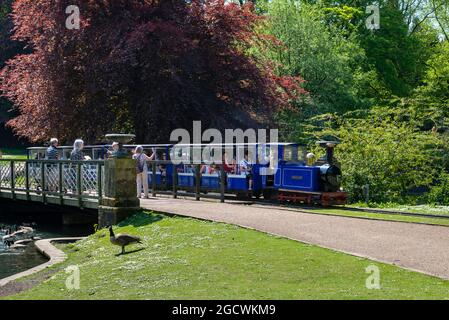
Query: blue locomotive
x=296 y=176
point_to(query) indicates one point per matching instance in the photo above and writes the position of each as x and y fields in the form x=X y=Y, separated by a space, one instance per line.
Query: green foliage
x=386 y=150
x=398 y=56
x=329 y=58
x=439 y=194
x=436 y=80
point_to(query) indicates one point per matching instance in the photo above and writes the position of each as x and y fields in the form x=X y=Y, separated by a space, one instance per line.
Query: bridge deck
x=419 y=247
x=71 y=201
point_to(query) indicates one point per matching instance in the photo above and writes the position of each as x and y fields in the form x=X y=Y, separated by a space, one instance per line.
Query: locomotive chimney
x=330 y=152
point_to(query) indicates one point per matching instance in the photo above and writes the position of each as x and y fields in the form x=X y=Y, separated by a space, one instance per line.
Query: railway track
x=301 y=208
x=291 y=207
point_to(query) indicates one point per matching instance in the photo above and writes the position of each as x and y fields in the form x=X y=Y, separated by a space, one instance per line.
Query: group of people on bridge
x=244 y=167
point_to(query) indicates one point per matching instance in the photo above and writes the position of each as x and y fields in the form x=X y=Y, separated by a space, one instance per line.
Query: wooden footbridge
x=80 y=183
x=58 y=182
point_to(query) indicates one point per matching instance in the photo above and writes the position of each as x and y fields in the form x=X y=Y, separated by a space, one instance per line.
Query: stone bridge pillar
x=120 y=197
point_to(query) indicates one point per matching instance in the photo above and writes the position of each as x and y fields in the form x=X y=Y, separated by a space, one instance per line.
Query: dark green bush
x=439 y=194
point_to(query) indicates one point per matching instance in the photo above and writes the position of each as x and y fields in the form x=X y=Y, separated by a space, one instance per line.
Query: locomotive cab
x=299 y=178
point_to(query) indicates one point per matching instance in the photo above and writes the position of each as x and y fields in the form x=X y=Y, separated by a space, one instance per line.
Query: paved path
x=419 y=247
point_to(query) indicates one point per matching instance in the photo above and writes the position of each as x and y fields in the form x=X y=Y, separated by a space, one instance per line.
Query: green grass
x=190 y=259
x=382 y=216
x=422 y=208
x=9 y=153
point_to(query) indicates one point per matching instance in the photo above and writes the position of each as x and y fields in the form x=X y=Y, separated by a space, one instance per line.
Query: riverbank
x=47 y=225
x=183 y=258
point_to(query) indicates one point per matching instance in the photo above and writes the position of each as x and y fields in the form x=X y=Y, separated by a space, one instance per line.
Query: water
x=17 y=260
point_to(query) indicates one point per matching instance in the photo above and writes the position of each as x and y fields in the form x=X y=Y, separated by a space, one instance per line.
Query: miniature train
x=296 y=177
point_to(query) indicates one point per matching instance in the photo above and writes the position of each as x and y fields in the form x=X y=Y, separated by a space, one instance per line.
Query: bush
x=392 y=156
x=439 y=194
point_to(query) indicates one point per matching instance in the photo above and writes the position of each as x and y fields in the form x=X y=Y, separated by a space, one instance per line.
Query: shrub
x=392 y=156
x=439 y=194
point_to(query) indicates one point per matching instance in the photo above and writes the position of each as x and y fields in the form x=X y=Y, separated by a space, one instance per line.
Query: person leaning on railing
x=51 y=169
x=142 y=170
x=52 y=151
x=77 y=153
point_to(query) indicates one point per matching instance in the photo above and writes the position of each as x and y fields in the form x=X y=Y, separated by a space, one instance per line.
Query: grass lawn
x=13 y=153
x=422 y=208
x=190 y=259
x=381 y=216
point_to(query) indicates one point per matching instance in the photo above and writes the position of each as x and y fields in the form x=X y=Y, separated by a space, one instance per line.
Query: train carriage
x=279 y=171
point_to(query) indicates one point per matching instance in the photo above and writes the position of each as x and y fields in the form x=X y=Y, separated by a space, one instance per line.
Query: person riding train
x=245 y=167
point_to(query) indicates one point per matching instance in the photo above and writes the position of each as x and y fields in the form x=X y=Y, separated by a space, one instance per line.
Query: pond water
x=17 y=260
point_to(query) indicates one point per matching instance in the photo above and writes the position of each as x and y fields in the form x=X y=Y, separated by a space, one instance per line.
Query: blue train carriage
x=300 y=178
x=235 y=183
x=242 y=184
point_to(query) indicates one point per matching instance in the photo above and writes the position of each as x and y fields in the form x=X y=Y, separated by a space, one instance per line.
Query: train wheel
x=242 y=195
x=267 y=195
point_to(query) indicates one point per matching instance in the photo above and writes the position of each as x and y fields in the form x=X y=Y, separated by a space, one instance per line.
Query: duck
x=7 y=243
x=8 y=237
x=123 y=239
x=23 y=231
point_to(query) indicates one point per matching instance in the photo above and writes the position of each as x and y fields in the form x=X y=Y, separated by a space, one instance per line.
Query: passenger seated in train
x=228 y=167
x=162 y=168
x=208 y=169
x=246 y=169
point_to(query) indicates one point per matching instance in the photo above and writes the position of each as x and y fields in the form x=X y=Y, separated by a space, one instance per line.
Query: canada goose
x=123 y=239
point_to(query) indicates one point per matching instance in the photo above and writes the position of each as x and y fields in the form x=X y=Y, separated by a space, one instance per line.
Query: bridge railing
x=60 y=180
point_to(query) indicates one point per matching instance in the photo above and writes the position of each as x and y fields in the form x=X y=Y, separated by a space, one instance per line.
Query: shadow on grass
x=142 y=219
x=129 y=252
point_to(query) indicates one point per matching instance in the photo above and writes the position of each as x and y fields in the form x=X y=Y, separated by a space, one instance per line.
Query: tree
x=142 y=66
x=8 y=49
x=329 y=61
x=398 y=55
x=387 y=149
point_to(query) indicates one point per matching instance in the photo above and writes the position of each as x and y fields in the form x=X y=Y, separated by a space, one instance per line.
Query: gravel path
x=418 y=247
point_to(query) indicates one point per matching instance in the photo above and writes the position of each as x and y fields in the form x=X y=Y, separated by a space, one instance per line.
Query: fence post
x=79 y=184
x=222 y=183
x=366 y=187
x=153 y=178
x=44 y=200
x=175 y=182
x=27 y=180
x=61 y=183
x=11 y=168
x=197 y=182
x=99 y=182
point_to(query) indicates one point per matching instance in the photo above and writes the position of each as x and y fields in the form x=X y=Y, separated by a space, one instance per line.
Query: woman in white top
x=142 y=170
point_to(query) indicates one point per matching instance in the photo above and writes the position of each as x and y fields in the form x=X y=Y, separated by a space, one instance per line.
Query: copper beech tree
x=141 y=66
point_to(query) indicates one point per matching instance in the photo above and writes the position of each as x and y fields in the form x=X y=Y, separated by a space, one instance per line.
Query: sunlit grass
x=189 y=259
x=9 y=153
x=422 y=208
x=382 y=216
